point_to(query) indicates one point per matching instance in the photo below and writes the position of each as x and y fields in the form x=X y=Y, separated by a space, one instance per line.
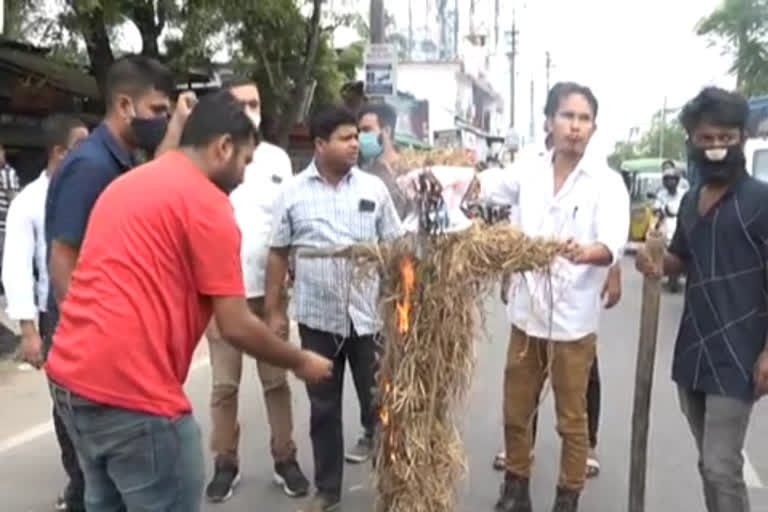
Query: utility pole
x=532 y=127
x=472 y=17
x=549 y=69
x=496 y=26
x=512 y=55
x=410 y=29
x=662 y=128
x=456 y=30
x=377 y=21
x=442 y=18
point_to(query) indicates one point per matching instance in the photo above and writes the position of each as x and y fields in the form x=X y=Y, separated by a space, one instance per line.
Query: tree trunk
x=741 y=62
x=143 y=15
x=313 y=42
x=94 y=30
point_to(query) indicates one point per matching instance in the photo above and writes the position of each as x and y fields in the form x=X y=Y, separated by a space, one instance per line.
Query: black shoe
x=566 y=501
x=226 y=476
x=361 y=452
x=515 y=495
x=289 y=476
x=68 y=502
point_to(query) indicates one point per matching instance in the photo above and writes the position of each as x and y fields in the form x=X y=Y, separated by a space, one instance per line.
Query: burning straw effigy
x=432 y=286
x=431 y=307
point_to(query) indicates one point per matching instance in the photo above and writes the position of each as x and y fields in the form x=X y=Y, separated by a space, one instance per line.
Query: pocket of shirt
x=367 y=226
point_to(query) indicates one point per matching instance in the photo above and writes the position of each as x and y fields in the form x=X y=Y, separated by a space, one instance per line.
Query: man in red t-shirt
x=160 y=256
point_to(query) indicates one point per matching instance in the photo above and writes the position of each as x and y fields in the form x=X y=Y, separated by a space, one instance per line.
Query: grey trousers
x=719 y=425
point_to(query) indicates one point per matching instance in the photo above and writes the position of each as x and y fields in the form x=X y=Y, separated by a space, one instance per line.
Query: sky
x=632 y=53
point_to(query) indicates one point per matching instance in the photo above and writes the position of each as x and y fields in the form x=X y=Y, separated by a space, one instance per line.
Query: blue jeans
x=132 y=461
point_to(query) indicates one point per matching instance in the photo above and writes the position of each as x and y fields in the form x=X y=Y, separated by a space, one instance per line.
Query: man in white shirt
x=25 y=272
x=254 y=203
x=610 y=296
x=569 y=195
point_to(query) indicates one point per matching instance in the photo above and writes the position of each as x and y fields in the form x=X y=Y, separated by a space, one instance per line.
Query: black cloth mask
x=720 y=164
x=149 y=132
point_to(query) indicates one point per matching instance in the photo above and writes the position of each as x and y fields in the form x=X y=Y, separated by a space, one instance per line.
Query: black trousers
x=325 y=398
x=74 y=494
x=593 y=406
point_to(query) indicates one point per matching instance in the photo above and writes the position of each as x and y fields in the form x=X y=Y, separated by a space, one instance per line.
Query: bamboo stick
x=646 y=354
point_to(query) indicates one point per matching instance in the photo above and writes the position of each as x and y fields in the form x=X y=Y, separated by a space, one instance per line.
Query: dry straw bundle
x=430 y=309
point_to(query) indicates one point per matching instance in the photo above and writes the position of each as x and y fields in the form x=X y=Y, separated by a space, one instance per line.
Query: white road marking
x=751 y=477
x=43 y=429
x=26 y=436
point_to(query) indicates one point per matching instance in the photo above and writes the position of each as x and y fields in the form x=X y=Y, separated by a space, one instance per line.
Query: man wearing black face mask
x=721 y=362
x=137 y=96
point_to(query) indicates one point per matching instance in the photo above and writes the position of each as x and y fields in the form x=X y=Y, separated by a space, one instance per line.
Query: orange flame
x=383 y=411
x=408 y=276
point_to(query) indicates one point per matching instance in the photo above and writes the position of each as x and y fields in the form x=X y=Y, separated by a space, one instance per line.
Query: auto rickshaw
x=643 y=178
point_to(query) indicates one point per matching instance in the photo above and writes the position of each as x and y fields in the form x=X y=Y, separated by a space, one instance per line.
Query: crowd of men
x=115 y=271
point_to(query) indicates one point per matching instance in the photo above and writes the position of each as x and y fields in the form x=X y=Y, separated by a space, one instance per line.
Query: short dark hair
x=357 y=87
x=326 y=120
x=57 y=128
x=562 y=90
x=216 y=114
x=716 y=106
x=136 y=74
x=232 y=81
x=668 y=162
x=384 y=112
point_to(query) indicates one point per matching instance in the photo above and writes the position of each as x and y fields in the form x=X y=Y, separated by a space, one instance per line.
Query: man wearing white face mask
x=376 y=123
x=253 y=202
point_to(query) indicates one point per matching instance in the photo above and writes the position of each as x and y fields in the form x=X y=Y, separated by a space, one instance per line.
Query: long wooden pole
x=646 y=355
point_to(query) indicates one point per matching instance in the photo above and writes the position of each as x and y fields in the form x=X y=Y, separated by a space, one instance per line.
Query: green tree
x=740 y=27
x=282 y=44
x=622 y=151
x=15 y=15
x=667 y=132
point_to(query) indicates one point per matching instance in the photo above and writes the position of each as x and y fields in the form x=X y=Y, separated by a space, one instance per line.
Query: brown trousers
x=227 y=367
x=528 y=361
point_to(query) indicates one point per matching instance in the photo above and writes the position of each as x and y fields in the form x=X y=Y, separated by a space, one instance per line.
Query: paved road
x=30 y=475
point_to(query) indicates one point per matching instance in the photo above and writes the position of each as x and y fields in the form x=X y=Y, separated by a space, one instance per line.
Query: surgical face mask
x=719 y=164
x=149 y=131
x=370 y=146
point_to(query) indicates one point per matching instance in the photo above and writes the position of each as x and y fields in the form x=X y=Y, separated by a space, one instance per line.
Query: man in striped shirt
x=332 y=204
